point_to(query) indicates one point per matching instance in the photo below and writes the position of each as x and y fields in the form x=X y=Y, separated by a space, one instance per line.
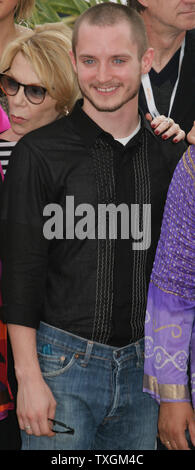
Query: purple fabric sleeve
x=170 y=316
x=168 y=329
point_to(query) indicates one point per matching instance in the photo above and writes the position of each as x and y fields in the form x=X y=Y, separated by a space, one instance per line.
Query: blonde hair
x=24 y=9
x=47 y=49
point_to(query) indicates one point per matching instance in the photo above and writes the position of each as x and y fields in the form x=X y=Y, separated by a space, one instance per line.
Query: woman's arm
x=170 y=318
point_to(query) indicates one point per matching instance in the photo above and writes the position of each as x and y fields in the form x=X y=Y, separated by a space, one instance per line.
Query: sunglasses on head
x=34 y=93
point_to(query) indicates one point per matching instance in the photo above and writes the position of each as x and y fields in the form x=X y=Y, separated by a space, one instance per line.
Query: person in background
x=170 y=316
x=75 y=305
x=24 y=115
x=10 y=12
x=168 y=89
x=154 y=378
x=48 y=92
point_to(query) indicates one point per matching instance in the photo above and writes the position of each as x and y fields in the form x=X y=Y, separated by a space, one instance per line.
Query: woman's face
x=25 y=116
x=7 y=8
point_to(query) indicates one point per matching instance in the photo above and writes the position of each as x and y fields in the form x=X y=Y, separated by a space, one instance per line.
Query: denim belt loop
x=88 y=352
x=138 y=351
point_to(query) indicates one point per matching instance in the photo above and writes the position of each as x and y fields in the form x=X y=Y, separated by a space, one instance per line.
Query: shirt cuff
x=23 y=315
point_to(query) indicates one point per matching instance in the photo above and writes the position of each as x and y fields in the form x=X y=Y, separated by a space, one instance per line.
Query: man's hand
x=35 y=401
x=166 y=127
x=174 y=419
x=35 y=404
x=191 y=135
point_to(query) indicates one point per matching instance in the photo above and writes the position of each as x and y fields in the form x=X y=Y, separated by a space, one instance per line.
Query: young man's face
x=107 y=66
x=178 y=14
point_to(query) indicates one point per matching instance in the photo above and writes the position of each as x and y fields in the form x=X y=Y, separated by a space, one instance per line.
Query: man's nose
x=104 y=73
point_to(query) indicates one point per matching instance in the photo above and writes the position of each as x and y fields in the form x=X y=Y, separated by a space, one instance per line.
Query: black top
x=183 y=107
x=95 y=288
x=162 y=83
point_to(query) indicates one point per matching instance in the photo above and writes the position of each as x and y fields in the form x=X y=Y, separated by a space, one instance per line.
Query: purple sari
x=170 y=316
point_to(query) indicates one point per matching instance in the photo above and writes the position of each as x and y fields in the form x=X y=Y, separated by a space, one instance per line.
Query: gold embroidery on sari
x=156 y=330
x=166 y=391
x=186 y=166
x=169 y=291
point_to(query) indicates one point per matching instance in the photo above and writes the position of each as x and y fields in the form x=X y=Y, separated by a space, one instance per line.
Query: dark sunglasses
x=64 y=429
x=34 y=93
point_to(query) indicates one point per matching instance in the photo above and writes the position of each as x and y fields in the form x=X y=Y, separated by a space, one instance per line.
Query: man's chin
x=109 y=108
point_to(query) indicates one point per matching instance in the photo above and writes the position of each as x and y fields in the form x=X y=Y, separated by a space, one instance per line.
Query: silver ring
x=27 y=427
x=168 y=443
x=170 y=121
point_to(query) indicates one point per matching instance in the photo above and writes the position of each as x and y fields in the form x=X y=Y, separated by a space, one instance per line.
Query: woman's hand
x=174 y=419
x=166 y=127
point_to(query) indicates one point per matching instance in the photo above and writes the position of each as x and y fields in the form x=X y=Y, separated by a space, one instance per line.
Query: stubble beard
x=110 y=109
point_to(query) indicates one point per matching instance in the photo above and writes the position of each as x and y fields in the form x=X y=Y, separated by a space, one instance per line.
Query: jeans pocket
x=54 y=365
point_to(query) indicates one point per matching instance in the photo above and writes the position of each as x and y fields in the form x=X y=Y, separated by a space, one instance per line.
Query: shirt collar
x=89 y=130
x=85 y=126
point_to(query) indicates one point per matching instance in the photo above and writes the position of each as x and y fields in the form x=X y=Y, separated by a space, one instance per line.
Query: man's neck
x=164 y=39
x=120 y=123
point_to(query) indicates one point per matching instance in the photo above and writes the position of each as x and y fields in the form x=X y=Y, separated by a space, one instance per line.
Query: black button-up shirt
x=95 y=288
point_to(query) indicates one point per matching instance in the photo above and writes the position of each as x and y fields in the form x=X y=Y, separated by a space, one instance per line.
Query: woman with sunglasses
x=38 y=79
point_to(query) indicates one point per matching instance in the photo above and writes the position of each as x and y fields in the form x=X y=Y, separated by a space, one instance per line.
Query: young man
x=83 y=286
x=169 y=87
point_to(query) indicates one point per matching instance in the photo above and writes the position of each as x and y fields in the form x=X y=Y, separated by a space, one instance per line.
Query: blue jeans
x=98 y=390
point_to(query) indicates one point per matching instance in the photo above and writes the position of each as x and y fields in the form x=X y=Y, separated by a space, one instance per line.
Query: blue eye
x=118 y=61
x=89 y=61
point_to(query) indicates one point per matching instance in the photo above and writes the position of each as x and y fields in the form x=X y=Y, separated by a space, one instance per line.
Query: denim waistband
x=87 y=347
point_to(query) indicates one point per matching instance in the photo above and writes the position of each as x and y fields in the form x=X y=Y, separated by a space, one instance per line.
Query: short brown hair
x=136 y=5
x=24 y=9
x=108 y=14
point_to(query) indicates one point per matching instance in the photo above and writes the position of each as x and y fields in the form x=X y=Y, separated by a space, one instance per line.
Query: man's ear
x=147 y=60
x=73 y=60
